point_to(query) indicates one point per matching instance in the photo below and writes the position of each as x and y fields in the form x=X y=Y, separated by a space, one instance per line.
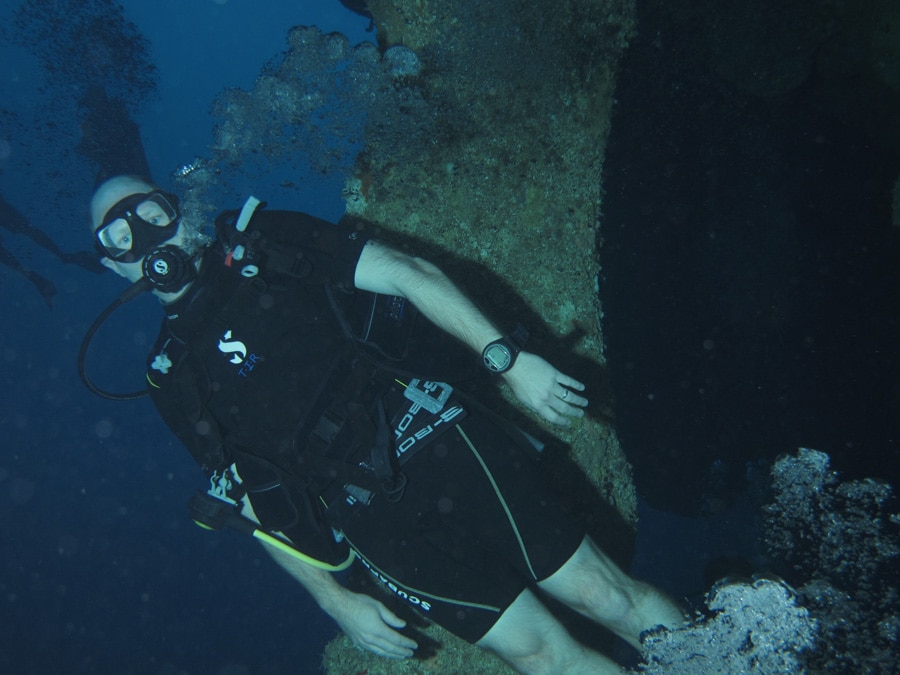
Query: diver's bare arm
x=382 y=269
x=366 y=621
x=319 y=583
x=536 y=383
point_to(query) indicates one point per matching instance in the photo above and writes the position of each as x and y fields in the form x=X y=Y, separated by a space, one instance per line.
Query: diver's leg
x=44 y=286
x=110 y=138
x=592 y=584
x=531 y=640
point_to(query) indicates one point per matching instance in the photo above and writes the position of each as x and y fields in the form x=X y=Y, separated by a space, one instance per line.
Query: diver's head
x=130 y=217
x=137 y=229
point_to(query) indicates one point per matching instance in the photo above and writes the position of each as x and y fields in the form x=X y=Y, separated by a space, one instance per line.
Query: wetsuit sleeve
x=353 y=238
x=332 y=249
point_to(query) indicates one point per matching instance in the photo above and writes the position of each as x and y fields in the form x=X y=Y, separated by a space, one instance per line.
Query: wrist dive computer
x=500 y=355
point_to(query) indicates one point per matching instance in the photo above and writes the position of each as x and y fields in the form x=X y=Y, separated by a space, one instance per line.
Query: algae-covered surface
x=454 y=657
x=509 y=179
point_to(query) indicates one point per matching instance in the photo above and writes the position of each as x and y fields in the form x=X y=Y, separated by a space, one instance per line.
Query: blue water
x=101 y=569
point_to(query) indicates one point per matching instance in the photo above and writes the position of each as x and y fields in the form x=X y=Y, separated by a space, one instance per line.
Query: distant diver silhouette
x=80 y=43
x=111 y=140
x=109 y=137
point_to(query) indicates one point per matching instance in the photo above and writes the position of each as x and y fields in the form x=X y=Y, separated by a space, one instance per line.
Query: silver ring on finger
x=565 y=395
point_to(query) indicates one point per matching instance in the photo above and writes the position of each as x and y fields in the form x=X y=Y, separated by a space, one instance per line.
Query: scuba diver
x=284 y=365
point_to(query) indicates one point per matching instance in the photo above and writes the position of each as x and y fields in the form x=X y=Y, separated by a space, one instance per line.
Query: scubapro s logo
x=236 y=348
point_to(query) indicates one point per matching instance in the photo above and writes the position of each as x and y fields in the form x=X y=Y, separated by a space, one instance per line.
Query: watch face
x=497 y=358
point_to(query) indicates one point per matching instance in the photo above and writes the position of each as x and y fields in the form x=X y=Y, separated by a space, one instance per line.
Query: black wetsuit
x=260 y=371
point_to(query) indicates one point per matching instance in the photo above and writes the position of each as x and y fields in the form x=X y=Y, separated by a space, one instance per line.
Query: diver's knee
x=545 y=656
x=531 y=640
x=616 y=601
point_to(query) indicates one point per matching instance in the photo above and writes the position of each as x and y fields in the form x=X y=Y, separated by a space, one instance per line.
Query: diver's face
x=136 y=225
x=130 y=218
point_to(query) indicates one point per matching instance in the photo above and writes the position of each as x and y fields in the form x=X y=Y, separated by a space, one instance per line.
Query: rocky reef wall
x=507 y=180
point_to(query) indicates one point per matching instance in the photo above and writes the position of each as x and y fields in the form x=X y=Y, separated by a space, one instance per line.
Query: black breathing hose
x=130 y=294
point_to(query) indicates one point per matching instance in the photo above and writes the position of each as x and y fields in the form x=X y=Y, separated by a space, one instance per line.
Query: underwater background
x=750 y=287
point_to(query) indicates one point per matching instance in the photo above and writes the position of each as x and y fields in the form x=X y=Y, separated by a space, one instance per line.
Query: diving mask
x=136 y=225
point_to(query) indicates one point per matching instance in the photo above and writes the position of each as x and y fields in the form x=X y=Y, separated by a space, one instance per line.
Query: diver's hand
x=370 y=625
x=541 y=387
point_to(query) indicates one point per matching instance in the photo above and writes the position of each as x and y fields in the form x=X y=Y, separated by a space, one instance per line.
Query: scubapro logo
x=236 y=348
x=239 y=355
x=412 y=599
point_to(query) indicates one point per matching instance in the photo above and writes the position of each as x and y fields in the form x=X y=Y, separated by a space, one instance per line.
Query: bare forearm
x=320 y=584
x=450 y=308
x=366 y=621
x=382 y=269
x=536 y=383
